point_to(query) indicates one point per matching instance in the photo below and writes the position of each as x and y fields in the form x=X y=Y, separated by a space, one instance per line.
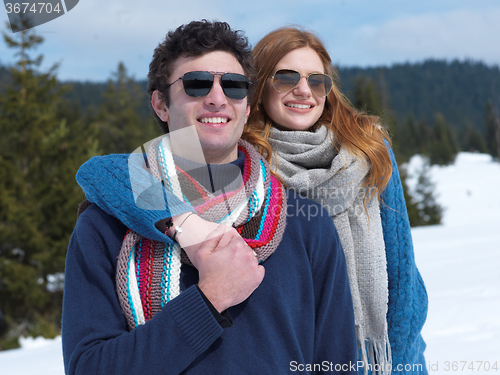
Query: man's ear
x=159 y=106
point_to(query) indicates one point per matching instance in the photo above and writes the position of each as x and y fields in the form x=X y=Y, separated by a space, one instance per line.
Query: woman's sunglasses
x=287 y=79
x=196 y=84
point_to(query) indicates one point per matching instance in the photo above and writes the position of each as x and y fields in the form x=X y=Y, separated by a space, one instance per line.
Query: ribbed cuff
x=224 y=318
x=194 y=319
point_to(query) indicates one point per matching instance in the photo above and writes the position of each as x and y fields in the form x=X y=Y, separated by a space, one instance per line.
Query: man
x=271 y=297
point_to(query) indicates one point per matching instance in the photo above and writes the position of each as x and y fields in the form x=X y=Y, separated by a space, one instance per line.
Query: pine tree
x=367 y=97
x=474 y=140
x=408 y=139
x=40 y=154
x=452 y=136
x=121 y=129
x=444 y=146
x=492 y=130
x=424 y=208
x=426 y=137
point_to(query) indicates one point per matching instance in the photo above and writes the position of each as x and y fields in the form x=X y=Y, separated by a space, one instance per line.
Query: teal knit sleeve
x=407 y=310
x=122 y=187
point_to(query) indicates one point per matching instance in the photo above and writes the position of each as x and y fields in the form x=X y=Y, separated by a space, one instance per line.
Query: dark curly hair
x=195 y=39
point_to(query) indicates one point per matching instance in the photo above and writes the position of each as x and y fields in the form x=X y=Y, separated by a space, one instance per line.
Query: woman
x=323 y=148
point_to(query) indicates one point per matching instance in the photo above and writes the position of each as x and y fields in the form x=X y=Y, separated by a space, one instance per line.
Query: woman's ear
x=247 y=113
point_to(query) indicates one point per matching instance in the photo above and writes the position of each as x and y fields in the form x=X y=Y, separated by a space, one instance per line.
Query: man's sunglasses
x=196 y=84
x=287 y=79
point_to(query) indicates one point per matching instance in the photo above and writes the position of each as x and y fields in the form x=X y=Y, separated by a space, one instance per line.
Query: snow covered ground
x=459 y=262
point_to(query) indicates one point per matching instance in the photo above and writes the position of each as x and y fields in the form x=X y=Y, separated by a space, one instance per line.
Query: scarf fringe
x=376 y=354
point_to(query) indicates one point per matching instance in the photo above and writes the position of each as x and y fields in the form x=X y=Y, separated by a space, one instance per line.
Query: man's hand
x=228 y=268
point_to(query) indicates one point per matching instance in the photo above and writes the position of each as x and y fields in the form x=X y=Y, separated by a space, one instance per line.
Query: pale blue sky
x=91 y=39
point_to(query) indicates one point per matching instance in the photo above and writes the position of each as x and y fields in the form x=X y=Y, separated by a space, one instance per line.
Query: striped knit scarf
x=148 y=272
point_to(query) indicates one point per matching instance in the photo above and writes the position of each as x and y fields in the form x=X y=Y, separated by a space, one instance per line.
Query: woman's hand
x=195 y=231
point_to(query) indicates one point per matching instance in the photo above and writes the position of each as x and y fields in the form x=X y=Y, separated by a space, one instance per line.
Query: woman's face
x=299 y=108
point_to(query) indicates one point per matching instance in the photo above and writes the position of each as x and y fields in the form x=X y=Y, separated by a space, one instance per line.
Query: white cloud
x=463 y=33
x=96 y=35
x=92 y=38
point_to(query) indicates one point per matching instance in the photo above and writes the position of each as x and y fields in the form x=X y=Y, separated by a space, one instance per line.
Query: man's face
x=219 y=120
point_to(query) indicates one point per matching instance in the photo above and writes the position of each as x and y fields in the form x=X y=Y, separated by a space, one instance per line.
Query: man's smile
x=213 y=120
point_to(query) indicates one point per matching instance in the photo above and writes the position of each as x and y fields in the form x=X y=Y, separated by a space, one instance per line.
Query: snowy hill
x=459 y=262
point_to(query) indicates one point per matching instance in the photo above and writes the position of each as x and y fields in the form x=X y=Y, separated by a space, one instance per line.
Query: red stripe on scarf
x=199 y=189
x=270 y=226
x=145 y=279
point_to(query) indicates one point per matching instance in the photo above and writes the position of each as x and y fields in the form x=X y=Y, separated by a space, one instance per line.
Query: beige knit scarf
x=309 y=164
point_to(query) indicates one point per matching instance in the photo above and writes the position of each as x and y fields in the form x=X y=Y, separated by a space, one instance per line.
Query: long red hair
x=358 y=132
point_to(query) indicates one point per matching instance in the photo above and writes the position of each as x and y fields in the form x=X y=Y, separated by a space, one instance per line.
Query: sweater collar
x=214 y=177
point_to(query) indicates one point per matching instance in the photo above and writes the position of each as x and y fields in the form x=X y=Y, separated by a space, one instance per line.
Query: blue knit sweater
x=102 y=177
x=407 y=310
x=300 y=317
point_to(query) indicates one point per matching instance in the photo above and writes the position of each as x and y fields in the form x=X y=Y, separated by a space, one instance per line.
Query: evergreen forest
x=49 y=128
